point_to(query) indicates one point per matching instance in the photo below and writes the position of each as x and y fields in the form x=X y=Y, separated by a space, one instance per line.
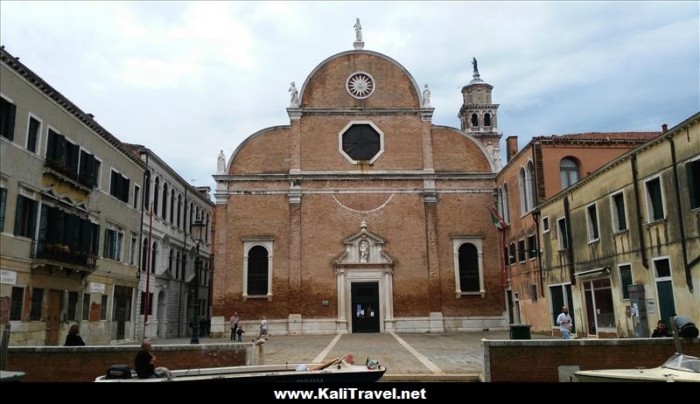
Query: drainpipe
x=635 y=183
x=679 y=210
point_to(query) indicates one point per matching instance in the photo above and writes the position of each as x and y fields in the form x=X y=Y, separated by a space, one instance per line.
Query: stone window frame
x=248 y=244
x=476 y=241
x=371 y=80
x=350 y=125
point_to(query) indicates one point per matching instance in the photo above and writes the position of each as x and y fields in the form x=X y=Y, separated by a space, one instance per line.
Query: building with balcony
x=70 y=217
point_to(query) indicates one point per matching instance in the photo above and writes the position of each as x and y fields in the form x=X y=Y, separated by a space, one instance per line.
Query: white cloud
x=190 y=78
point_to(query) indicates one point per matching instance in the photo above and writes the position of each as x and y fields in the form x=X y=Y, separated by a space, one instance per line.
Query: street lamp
x=197 y=232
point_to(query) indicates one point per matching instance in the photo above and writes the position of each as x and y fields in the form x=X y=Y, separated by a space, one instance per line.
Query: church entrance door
x=365 y=307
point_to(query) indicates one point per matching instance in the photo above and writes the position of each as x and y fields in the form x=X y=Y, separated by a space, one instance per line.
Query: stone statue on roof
x=476 y=69
x=293 y=95
x=358 y=30
x=426 y=96
x=221 y=163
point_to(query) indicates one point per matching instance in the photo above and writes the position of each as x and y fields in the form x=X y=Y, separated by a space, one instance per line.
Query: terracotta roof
x=602 y=137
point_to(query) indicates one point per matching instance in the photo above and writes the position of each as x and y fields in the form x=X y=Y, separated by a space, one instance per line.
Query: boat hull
x=678 y=368
x=265 y=373
x=636 y=375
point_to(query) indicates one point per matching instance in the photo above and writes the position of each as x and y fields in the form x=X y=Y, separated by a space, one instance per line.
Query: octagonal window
x=361 y=141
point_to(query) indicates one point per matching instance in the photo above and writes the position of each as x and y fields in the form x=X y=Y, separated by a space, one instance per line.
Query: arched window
x=147 y=192
x=179 y=209
x=532 y=194
x=156 y=190
x=172 y=205
x=154 y=251
x=506 y=204
x=177 y=266
x=257 y=271
x=475 y=121
x=523 y=191
x=487 y=119
x=207 y=229
x=568 y=169
x=163 y=212
x=468 y=268
x=144 y=256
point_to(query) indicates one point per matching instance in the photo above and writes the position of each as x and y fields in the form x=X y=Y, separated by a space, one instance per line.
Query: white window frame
x=353 y=123
x=506 y=206
x=548 y=227
x=530 y=185
x=268 y=244
x=119 y=240
x=476 y=241
x=522 y=186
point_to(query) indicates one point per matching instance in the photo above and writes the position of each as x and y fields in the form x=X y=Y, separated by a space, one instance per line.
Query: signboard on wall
x=96 y=287
x=8 y=277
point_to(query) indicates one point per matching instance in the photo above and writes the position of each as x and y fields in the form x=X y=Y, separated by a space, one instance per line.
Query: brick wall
x=84 y=364
x=539 y=360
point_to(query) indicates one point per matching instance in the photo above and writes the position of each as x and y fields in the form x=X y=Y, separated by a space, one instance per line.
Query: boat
x=339 y=370
x=678 y=368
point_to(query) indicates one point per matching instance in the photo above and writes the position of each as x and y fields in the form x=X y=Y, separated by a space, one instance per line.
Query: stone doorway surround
x=364 y=260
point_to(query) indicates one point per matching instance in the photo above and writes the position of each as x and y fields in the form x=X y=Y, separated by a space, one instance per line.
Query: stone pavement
x=456 y=356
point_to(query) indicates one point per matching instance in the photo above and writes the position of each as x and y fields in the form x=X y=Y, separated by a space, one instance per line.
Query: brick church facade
x=360 y=215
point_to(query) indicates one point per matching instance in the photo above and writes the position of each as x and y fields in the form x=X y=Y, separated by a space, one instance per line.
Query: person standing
x=73 y=339
x=263 y=328
x=234 y=325
x=564 y=321
x=145 y=362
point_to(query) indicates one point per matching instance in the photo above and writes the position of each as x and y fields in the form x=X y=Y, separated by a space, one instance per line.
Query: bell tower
x=478 y=116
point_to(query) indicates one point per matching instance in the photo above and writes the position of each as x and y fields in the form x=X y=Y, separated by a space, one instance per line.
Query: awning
x=592 y=273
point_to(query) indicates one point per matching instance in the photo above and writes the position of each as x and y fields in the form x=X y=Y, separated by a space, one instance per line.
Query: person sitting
x=73 y=339
x=145 y=362
x=660 y=330
x=686 y=328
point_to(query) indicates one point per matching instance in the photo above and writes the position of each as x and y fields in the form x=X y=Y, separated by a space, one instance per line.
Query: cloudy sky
x=188 y=79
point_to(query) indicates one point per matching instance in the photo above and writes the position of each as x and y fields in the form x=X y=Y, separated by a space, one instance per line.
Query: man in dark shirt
x=145 y=361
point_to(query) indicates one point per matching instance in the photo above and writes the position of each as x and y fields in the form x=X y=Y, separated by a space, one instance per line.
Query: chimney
x=664 y=128
x=511 y=147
